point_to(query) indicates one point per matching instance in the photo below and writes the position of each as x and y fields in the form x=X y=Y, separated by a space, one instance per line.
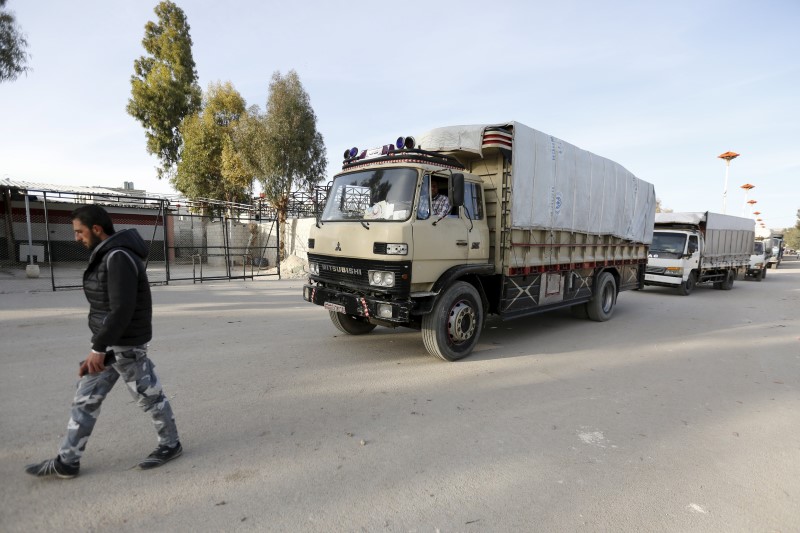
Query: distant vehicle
x=777 y=250
x=692 y=248
x=757 y=269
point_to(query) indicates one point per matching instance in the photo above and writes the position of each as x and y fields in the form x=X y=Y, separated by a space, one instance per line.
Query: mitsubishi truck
x=692 y=248
x=757 y=267
x=529 y=224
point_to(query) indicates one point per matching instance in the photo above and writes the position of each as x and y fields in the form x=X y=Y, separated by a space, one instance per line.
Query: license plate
x=333 y=307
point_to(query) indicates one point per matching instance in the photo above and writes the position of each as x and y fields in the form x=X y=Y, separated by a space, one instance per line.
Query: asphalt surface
x=679 y=414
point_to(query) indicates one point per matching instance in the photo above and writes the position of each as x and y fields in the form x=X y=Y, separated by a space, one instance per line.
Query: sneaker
x=53 y=467
x=161 y=455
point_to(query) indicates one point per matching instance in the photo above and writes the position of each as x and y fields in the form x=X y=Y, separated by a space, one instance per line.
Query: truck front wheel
x=451 y=330
x=601 y=306
x=352 y=325
x=686 y=287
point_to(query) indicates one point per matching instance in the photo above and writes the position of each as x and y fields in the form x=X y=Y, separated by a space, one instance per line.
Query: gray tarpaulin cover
x=713 y=220
x=559 y=186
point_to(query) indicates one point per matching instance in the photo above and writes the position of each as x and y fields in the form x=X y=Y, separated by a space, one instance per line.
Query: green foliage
x=282 y=147
x=210 y=165
x=660 y=207
x=792 y=235
x=164 y=86
x=792 y=238
x=12 y=47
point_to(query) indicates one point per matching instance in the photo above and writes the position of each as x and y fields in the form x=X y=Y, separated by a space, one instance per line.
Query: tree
x=660 y=207
x=792 y=235
x=164 y=86
x=210 y=165
x=13 y=45
x=282 y=147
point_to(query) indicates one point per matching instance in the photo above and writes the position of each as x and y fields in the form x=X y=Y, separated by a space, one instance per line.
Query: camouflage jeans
x=137 y=371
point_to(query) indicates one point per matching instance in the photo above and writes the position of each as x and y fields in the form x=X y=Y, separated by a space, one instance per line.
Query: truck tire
x=686 y=287
x=729 y=279
x=763 y=273
x=352 y=325
x=451 y=330
x=601 y=306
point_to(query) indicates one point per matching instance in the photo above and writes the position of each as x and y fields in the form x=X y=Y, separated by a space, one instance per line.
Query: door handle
x=461 y=243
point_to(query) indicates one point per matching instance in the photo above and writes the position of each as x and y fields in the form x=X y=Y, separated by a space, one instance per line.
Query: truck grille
x=654 y=270
x=353 y=273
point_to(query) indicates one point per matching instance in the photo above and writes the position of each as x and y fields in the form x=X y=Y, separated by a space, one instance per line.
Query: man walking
x=120 y=314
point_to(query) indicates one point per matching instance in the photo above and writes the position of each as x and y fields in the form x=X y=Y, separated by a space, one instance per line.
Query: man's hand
x=92 y=365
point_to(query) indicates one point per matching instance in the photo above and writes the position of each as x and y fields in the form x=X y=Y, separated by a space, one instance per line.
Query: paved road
x=680 y=414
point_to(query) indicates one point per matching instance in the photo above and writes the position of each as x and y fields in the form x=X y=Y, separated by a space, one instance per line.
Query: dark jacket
x=116 y=285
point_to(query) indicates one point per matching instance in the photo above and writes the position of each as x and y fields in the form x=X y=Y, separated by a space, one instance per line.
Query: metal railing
x=234 y=241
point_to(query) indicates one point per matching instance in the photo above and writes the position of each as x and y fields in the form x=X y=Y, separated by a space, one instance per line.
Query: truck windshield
x=758 y=248
x=669 y=243
x=377 y=194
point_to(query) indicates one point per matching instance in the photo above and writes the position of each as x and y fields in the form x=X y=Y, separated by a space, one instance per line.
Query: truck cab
x=381 y=251
x=757 y=268
x=674 y=259
x=776 y=256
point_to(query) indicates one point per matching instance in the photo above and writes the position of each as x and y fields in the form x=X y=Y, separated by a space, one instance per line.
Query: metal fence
x=234 y=241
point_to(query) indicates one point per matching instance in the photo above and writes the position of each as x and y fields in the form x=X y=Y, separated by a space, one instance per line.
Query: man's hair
x=91 y=215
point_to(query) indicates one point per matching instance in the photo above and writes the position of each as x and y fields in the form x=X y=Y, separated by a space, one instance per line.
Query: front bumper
x=365 y=306
x=664 y=281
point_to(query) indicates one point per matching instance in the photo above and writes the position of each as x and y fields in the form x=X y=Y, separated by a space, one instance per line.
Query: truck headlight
x=396 y=249
x=674 y=271
x=380 y=278
x=313 y=268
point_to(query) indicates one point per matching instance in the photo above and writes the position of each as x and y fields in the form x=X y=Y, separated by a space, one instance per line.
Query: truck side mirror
x=457 y=190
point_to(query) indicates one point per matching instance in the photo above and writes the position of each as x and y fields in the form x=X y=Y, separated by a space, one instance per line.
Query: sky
x=662 y=88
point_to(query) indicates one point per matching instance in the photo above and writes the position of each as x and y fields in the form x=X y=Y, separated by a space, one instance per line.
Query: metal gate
x=240 y=243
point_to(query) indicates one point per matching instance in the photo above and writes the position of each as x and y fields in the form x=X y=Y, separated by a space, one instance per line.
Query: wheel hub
x=461 y=322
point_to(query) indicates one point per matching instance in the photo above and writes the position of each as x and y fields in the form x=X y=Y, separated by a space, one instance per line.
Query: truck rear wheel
x=729 y=279
x=686 y=287
x=352 y=325
x=601 y=306
x=451 y=330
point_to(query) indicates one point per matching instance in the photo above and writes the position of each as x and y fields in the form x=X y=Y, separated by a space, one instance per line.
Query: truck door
x=693 y=251
x=440 y=240
x=475 y=219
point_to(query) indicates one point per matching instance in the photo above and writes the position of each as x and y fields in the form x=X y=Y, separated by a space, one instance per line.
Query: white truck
x=776 y=240
x=692 y=248
x=757 y=267
x=534 y=224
